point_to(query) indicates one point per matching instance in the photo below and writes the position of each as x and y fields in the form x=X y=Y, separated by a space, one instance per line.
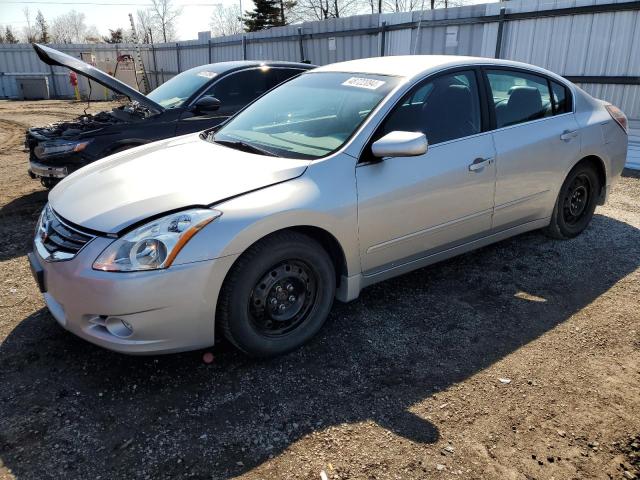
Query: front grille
x=58 y=239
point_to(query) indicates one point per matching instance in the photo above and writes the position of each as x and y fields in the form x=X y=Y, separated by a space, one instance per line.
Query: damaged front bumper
x=40 y=170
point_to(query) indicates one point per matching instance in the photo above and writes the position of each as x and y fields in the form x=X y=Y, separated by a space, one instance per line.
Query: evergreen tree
x=41 y=25
x=266 y=14
x=9 y=37
x=115 y=36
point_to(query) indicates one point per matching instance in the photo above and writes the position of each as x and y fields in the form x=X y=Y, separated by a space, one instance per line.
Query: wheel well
x=598 y=166
x=329 y=243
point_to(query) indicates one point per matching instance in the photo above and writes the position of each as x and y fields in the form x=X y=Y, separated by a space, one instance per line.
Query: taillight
x=619 y=117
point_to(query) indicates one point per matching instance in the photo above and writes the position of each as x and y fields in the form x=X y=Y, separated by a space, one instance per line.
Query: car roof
x=226 y=67
x=412 y=65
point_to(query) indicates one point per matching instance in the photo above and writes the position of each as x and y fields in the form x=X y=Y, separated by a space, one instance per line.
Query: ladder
x=138 y=61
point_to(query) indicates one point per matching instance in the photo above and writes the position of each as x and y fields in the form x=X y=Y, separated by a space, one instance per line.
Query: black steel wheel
x=277 y=295
x=281 y=300
x=576 y=199
x=576 y=203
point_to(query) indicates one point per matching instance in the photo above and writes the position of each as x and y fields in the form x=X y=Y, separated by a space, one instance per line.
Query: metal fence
x=595 y=43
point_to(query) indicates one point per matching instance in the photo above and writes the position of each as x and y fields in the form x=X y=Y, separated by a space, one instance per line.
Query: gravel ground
x=517 y=361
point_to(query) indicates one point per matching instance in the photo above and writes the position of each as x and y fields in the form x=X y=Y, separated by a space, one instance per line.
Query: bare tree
x=78 y=27
x=165 y=15
x=382 y=6
x=324 y=9
x=226 y=20
x=28 y=31
x=69 y=27
x=146 y=27
x=42 y=28
x=92 y=35
x=1 y=34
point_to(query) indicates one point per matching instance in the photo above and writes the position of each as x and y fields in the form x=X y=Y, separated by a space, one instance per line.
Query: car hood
x=118 y=191
x=54 y=57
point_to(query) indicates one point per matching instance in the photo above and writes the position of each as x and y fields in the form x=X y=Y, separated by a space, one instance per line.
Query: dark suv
x=194 y=100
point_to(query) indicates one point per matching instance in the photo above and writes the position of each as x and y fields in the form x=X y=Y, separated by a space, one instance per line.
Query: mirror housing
x=207 y=103
x=400 y=144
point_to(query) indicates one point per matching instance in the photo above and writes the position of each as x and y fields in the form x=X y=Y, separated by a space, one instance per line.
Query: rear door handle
x=479 y=163
x=568 y=135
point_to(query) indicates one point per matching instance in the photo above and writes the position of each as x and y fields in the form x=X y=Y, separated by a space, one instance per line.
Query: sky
x=107 y=15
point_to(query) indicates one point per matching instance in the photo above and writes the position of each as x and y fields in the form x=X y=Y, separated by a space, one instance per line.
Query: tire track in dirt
x=11 y=135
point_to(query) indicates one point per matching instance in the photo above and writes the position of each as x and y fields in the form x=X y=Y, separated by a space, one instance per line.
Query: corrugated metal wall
x=584 y=44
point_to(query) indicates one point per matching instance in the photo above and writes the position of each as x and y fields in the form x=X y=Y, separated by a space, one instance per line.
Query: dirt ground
x=517 y=361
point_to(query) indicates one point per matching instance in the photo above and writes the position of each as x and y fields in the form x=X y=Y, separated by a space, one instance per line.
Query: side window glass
x=561 y=98
x=445 y=108
x=283 y=74
x=519 y=97
x=236 y=90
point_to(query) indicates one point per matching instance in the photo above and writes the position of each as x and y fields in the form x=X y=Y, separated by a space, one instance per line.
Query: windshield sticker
x=359 y=82
x=207 y=74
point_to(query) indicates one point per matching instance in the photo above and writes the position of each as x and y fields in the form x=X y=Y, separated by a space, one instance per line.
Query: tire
x=49 y=183
x=576 y=203
x=277 y=295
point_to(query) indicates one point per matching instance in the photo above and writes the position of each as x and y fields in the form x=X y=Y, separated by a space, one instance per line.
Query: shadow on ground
x=17 y=221
x=627 y=172
x=73 y=410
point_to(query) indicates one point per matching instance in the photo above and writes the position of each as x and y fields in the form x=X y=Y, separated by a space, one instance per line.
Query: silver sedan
x=340 y=178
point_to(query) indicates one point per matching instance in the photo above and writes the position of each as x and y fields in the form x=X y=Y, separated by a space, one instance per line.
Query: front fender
x=295 y=203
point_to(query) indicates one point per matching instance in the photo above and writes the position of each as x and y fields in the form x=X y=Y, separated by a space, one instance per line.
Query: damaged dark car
x=194 y=100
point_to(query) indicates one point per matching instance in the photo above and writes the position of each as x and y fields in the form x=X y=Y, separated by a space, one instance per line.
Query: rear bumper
x=152 y=312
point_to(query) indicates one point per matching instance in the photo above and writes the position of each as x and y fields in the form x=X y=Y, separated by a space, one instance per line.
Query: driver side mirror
x=400 y=144
x=206 y=104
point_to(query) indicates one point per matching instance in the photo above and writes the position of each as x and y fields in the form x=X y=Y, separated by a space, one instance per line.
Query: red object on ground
x=73 y=78
x=207 y=357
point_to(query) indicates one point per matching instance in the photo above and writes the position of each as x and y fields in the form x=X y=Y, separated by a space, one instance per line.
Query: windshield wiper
x=247 y=147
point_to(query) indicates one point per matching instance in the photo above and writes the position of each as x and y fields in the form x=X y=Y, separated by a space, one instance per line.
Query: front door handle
x=568 y=135
x=479 y=163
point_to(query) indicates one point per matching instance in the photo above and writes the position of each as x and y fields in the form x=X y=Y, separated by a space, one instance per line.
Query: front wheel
x=575 y=204
x=49 y=183
x=277 y=295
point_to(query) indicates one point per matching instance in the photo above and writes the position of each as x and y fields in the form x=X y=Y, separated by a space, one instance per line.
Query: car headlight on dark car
x=53 y=149
x=156 y=244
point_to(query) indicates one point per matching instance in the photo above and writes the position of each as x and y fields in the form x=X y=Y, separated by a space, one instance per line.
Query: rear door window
x=561 y=98
x=282 y=74
x=241 y=88
x=519 y=97
x=237 y=89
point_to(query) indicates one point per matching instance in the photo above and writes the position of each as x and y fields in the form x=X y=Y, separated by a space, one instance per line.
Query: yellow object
x=75 y=89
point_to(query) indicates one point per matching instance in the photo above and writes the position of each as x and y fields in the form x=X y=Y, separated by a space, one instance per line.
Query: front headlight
x=156 y=244
x=46 y=150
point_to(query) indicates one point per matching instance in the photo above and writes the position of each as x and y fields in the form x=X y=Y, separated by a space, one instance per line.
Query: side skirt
x=350 y=287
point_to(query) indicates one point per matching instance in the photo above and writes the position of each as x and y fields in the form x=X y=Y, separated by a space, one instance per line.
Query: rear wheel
x=575 y=204
x=277 y=295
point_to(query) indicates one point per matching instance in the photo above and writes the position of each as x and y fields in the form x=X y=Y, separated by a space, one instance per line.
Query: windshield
x=174 y=92
x=309 y=116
